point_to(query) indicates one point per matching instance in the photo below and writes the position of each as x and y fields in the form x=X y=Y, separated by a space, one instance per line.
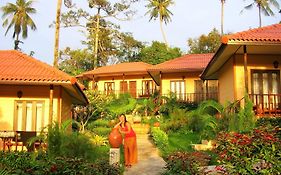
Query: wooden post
x=123 y=84
x=245 y=68
x=207 y=90
x=51 y=103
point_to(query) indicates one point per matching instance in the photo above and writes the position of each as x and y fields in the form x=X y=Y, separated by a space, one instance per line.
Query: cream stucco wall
x=188 y=78
x=118 y=79
x=8 y=96
x=226 y=82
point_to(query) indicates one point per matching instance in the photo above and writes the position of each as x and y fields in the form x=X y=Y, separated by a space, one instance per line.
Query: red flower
x=53 y=168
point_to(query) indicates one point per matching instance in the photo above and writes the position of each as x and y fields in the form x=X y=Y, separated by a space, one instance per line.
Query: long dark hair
x=124 y=118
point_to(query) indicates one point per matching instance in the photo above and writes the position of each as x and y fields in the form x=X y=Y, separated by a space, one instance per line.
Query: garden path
x=149 y=161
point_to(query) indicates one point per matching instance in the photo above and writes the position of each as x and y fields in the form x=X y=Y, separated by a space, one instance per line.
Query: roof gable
x=189 y=62
x=121 y=68
x=16 y=66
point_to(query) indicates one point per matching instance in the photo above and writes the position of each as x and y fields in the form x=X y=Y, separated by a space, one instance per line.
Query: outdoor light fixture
x=19 y=94
x=275 y=64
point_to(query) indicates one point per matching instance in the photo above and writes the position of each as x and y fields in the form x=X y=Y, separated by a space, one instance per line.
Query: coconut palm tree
x=264 y=7
x=159 y=9
x=222 y=15
x=67 y=3
x=18 y=16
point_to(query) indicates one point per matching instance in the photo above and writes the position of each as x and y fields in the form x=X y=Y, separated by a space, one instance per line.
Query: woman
x=130 y=140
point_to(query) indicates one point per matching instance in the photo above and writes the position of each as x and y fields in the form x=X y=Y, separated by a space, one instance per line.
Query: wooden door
x=123 y=87
x=133 y=88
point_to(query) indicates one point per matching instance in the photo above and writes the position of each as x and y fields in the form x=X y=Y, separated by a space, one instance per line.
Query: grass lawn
x=182 y=141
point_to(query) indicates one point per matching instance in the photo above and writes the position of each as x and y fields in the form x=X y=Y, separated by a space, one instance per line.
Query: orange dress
x=130 y=146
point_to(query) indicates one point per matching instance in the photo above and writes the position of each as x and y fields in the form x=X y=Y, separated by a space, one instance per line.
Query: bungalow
x=249 y=62
x=129 y=77
x=34 y=94
x=181 y=76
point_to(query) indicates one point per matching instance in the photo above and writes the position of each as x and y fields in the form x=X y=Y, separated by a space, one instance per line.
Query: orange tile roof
x=270 y=33
x=19 y=68
x=16 y=66
x=121 y=68
x=189 y=62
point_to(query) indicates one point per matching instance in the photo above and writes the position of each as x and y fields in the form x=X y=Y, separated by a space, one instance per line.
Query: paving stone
x=149 y=161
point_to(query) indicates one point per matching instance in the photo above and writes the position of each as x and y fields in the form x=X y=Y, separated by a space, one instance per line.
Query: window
x=109 y=88
x=147 y=87
x=178 y=88
x=265 y=86
x=29 y=116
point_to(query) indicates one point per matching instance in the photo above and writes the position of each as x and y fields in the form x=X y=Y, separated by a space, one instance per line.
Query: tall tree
x=159 y=9
x=18 y=16
x=75 y=62
x=100 y=32
x=157 y=53
x=264 y=6
x=204 y=43
x=222 y=15
x=57 y=32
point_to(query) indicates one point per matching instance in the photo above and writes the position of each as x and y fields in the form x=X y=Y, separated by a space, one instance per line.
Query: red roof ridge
x=247 y=34
x=114 y=66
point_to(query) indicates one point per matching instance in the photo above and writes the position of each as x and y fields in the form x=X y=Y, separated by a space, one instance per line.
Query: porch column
x=160 y=82
x=245 y=68
x=207 y=90
x=51 y=103
x=123 y=85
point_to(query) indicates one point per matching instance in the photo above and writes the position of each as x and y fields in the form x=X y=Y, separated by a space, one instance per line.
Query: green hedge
x=159 y=137
x=26 y=163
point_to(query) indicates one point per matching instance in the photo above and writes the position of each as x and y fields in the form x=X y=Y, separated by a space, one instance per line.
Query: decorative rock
x=114 y=156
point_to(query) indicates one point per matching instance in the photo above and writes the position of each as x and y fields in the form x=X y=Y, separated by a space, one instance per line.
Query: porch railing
x=140 y=93
x=266 y=104
x=194 y=97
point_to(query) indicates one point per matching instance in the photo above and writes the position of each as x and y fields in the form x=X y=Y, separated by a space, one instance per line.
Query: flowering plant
x=258 y=152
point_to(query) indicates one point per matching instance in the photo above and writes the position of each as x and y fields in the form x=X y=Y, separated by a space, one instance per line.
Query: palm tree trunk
x=17 y=42
x=259 y=14
x=163 y=33
x=222 y=15
x=56 y=48
x=97 y=39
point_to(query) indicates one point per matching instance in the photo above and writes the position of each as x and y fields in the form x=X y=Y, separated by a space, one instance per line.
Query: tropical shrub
x=172 y=103
x=235 y=118
x=159 y=137
x=272 y=121
x=177 y=121
x=186 y=163
x=26 y=163
x=258 y=152
x=94 y=110
x=121 y=105
x=202 y=120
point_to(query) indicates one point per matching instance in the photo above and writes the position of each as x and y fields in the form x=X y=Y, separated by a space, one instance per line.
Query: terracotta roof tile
x=18 y=67
x=189 y=62
x=270 y=33
x=127 y=68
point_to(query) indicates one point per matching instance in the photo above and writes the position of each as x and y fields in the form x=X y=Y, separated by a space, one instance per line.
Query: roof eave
x=212 y=61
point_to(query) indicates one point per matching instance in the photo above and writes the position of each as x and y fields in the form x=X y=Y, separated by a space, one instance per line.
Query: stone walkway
x=149 y=161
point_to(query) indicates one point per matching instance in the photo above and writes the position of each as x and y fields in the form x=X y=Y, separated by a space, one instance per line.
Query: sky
x=190 y=19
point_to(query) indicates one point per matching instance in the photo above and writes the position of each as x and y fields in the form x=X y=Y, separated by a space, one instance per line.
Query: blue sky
x=190 y=19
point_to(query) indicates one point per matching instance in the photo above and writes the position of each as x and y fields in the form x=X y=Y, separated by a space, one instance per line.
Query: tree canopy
x=18 y=16
x=159 y=9
x=157 y=53
x=204 y=43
